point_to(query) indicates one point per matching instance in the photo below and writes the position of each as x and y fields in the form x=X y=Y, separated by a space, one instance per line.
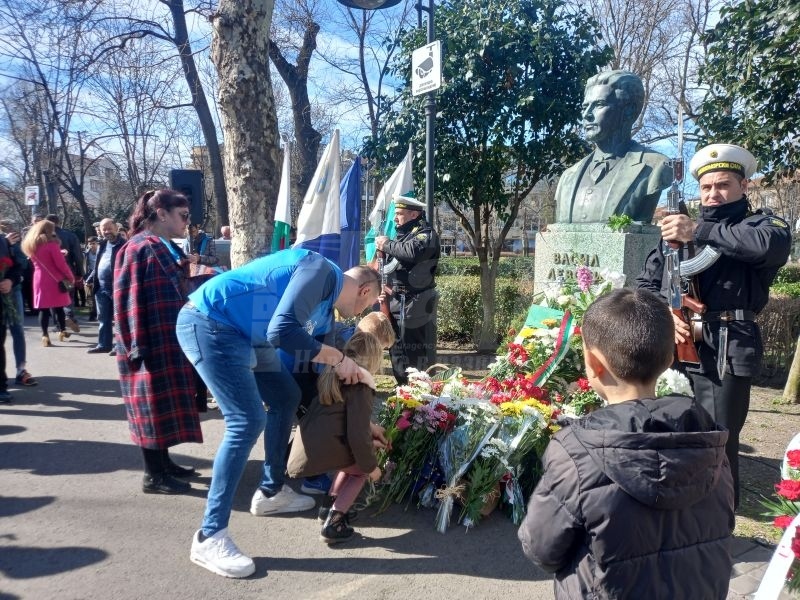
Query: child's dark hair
x=635 y=332
x=146 y=206
x=366 y=350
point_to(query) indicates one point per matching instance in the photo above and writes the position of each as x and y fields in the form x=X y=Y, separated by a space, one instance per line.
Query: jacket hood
x=667 y=453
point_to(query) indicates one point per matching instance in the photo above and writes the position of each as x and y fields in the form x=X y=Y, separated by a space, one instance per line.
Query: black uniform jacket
x=754 y=247
x=416 y=248
x=636 y=501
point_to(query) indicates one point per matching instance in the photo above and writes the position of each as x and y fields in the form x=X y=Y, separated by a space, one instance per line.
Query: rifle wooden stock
x=686 y=350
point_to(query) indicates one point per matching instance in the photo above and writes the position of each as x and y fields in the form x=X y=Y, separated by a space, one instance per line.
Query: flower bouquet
x=476 y=423
x=414 y=421
x=524 y=427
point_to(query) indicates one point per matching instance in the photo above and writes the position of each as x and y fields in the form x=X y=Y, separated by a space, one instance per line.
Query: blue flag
x=350 y=209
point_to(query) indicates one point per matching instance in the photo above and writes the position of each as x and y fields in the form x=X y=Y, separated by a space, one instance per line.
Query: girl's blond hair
x=365 y=349
x=40 y=233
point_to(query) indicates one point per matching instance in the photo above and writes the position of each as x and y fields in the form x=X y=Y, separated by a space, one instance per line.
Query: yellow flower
x=549 y=322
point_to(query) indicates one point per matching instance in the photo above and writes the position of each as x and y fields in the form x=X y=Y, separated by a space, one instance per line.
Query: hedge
x=460 y=308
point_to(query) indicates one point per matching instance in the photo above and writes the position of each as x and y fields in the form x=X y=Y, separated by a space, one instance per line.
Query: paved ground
x=75 y=525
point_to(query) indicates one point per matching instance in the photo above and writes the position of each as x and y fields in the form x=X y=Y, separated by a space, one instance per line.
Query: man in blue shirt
x=231 y=330
x=102 y=279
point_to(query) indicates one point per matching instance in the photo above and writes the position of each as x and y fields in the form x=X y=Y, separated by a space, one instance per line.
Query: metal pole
x=430 y=133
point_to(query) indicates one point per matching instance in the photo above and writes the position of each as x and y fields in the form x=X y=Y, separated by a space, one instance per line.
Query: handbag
x=64 y=285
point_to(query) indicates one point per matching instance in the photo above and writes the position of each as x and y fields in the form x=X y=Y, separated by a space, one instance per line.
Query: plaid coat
x=156 y=378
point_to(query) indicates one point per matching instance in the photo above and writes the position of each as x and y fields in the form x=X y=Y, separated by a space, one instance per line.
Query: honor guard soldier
x=412 y=258
x=741 y=251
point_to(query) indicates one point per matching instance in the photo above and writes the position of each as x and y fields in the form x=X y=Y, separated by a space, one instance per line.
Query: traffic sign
x=426 y=68
x=32 y=195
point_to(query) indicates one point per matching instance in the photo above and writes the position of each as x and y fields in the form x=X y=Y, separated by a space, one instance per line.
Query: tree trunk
x=203 y=111
x=240 y=53
x=487 y=341
x=791 y=393
x=307 y=139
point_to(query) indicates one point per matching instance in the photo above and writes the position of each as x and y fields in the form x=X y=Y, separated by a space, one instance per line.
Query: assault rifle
x=681 y=301
x=383 y=271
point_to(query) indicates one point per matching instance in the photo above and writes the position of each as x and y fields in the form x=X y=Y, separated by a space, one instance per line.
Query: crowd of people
x=264 y=341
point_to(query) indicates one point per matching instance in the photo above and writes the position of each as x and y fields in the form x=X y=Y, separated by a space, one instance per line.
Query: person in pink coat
x=43 y=247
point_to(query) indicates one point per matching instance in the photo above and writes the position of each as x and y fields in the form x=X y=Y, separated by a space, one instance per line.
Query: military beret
x=409 y=201
x=722 y=157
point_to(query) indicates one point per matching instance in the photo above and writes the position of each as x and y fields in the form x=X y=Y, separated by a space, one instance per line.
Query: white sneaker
x=220 y=555
x=285 y=501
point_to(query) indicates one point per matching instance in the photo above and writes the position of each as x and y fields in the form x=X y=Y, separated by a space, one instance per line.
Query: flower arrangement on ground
x=480 y=443
x=784 y=509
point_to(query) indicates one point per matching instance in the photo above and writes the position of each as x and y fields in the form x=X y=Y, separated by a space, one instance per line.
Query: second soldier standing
x=414 y=295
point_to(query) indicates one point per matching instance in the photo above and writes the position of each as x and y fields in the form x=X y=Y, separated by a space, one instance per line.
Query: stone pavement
x=74 y=523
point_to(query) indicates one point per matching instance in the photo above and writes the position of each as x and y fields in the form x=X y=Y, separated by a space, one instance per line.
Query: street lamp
x=369 y=4
x=430 y=102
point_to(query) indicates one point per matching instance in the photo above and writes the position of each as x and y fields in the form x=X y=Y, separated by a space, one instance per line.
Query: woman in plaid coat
x=155 y=376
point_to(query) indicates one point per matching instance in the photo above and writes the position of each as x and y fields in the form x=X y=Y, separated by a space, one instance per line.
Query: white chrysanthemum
x=673 y=382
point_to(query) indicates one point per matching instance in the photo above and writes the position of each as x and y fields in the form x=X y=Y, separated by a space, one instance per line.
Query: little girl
x=335 y=435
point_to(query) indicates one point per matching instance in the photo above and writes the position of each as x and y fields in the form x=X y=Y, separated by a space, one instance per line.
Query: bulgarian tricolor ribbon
x=565 y=334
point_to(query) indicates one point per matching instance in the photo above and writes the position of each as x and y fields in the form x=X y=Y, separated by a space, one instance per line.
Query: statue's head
x=612 y=103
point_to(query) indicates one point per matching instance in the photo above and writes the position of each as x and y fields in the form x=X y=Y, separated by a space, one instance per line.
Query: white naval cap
x=408 y=200
x=722 y=157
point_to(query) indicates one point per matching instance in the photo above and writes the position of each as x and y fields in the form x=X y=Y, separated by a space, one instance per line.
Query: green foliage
x=791 y=289
x=517 y=267
x=507 y=114
x=754 y=98
x=461 y=310
x=618 y=223
x=788 y=274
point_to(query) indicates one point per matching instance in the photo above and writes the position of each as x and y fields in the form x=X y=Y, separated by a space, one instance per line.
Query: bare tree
x=136 y=90
x=252 y=157
x=298 y=20
x=44 y=44
x=136 y=27
x=659 y=40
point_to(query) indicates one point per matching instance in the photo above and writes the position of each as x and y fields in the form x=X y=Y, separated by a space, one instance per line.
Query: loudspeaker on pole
x=189 y=182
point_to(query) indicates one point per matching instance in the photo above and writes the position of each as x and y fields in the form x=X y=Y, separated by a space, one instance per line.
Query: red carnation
x=783 y=521
x=789 y=489
x=583 y=384
x=793 y=458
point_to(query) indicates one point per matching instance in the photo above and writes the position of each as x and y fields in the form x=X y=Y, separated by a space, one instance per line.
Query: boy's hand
x=375 y=475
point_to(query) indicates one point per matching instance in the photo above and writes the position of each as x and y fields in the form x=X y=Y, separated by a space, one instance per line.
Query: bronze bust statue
x=621 y=177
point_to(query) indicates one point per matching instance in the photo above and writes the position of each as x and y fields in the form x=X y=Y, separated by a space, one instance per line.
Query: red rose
x=796 y=543
x=783 y=521
x=789 y=489
x=583 y=384
x=793 y=458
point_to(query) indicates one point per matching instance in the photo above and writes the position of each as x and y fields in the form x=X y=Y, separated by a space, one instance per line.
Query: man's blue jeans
x=105 y=317
x=18 y=329
x=242 y=378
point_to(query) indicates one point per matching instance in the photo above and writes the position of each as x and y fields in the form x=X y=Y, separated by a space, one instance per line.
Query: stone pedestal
x=565 y=246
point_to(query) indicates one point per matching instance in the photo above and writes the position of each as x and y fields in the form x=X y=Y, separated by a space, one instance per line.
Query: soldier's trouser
x=417 y=347
x=728 y=403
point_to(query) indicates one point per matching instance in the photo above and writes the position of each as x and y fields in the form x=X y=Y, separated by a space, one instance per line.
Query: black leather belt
x=408 y=290
x=729 y=315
